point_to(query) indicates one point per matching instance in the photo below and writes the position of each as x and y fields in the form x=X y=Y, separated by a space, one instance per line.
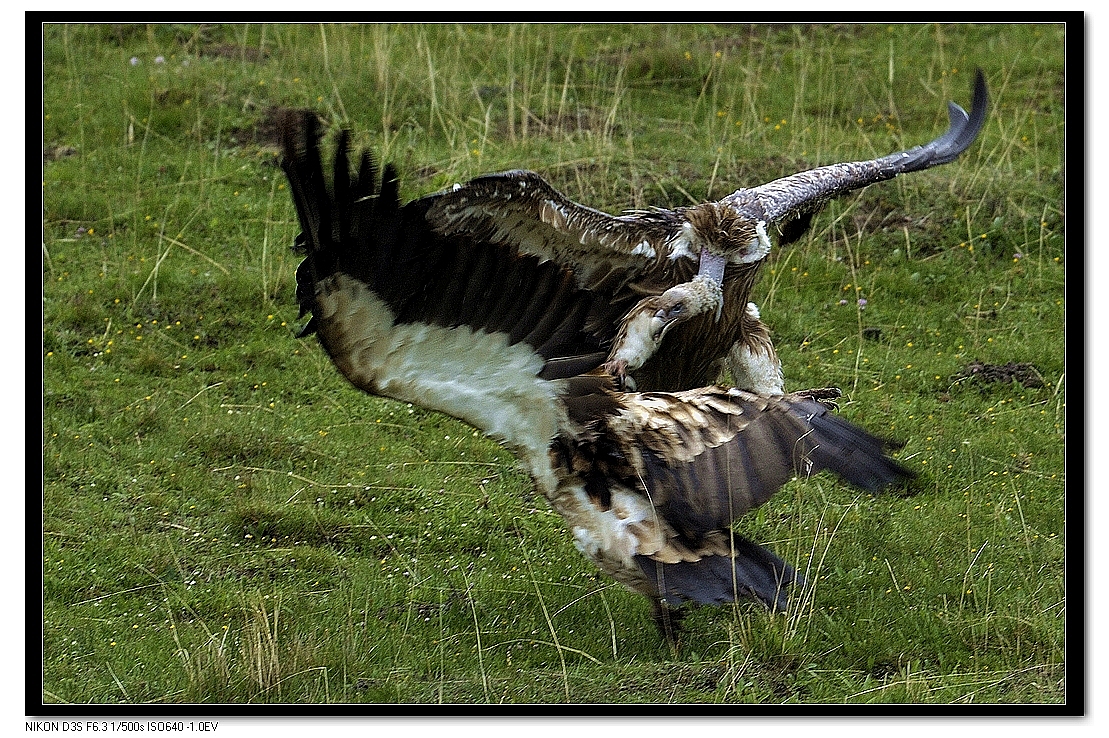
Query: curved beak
x=664 y=318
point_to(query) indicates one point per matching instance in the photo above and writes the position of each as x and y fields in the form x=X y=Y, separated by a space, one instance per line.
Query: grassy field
x=225 y=520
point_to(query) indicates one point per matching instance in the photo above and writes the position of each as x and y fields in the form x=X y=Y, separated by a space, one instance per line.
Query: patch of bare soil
x=1026 y=374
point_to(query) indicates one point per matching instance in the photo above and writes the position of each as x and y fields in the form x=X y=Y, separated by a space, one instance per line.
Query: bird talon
x=826 y=396
x=618 y=369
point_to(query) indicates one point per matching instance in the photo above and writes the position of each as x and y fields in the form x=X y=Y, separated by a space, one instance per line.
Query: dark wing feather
x=743 y=570
x=521 y=209
x=705 y=457
x=741 y=448
x=351 y=225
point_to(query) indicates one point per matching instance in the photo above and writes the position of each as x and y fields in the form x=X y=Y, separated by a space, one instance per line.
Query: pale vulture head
x=646 y=324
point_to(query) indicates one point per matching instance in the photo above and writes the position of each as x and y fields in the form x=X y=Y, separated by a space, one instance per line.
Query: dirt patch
x=262 y=132
x=59 y=151
x=1026 y=374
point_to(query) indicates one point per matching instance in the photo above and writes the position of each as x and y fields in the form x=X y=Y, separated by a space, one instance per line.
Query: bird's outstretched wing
x=680 y=468
x=722 y=451
x=798 y=195
x=521 y=209
x=355 y=232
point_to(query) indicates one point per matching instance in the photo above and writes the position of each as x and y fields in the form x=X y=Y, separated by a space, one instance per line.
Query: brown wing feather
x=710 y=455
x=354 y=226
x=667 y=474
x=522 y=209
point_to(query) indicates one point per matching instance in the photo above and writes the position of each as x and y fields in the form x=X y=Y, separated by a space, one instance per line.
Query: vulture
x=684 y=275
x=489 y=322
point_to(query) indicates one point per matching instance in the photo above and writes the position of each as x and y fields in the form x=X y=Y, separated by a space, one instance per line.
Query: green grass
x=226 y=520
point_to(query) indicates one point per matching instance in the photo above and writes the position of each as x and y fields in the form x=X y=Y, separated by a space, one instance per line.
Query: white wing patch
x=474 y=376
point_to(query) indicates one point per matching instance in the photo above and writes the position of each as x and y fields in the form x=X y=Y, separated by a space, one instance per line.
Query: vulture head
x=718 y=228
x=643 y=328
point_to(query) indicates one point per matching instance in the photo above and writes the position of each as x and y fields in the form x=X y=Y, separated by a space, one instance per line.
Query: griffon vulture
x=685 y=274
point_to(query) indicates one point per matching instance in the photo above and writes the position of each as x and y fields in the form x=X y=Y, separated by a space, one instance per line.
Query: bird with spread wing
x=485 y=325
x=680 y=280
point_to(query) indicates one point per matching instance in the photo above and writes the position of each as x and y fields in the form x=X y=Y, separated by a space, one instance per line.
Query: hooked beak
x=664 y=318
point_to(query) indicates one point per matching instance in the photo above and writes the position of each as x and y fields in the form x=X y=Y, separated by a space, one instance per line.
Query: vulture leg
x=752 y=361
x=668 y=620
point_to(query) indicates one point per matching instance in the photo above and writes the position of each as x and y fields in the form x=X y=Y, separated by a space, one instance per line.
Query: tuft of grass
x=225 y=520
